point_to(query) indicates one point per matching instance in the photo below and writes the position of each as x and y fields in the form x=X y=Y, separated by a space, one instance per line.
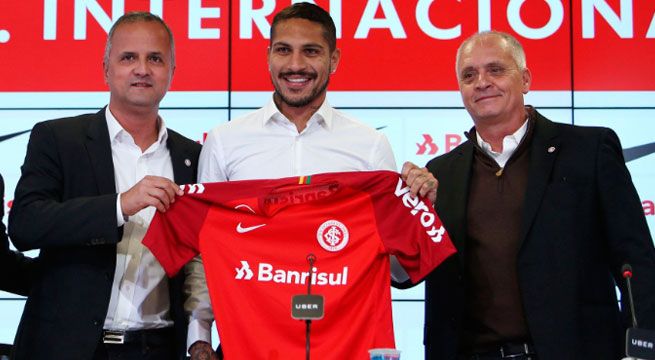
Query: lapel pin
x=187 y=162
x=551 y=149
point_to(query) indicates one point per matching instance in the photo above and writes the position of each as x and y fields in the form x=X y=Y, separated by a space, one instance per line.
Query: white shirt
x=265 y=145
x=510 y=144
x=139 y=294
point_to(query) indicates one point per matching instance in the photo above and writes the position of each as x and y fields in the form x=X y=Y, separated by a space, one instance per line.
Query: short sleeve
x=173 y=236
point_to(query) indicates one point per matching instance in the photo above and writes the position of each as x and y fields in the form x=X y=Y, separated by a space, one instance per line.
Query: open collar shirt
x=139 y=295
x=265 y=144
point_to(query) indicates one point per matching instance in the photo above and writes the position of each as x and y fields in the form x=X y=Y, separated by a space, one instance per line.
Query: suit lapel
x=452 y=202
x=182 y=159
x=99 y=150
x=543 y=152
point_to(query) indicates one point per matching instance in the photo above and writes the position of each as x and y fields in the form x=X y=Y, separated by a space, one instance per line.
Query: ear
x=334 y=60
x=527 y=80
x=172 y=73
x=105 y=72
x=268 y=58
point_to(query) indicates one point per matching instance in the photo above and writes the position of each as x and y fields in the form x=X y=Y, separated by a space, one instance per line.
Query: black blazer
x=582 y=220
x=65 y=205
x=16 y=270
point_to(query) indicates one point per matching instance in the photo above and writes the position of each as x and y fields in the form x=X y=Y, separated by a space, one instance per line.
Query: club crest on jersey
x=332 y=235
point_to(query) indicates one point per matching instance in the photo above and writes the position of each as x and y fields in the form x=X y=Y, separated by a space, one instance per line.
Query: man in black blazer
x=543 y=216
x=16 y=269
x=90 y=185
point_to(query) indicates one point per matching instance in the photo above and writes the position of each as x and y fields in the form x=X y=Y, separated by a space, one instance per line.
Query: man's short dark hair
x=313 y=13
x=135 y=17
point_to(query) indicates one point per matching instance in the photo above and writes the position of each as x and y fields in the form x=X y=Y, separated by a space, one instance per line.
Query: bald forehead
x=484 y=40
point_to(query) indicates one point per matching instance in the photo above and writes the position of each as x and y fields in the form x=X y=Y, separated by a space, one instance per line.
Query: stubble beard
x=302 y=102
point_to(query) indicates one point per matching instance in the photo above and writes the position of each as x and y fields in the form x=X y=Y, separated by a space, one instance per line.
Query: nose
x=296 y=61
x=141 y=67
x=482 y=80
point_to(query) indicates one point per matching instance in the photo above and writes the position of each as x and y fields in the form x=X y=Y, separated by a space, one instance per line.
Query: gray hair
x=135 y=17
x=515 y=47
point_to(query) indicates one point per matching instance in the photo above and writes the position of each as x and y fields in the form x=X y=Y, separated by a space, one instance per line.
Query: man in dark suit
x=543 y=216
x=16 y=270
x=89 y=187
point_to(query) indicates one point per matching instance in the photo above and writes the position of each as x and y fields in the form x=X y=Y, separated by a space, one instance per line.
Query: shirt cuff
x=120 y=219
x=398 y=273
x=199 y=330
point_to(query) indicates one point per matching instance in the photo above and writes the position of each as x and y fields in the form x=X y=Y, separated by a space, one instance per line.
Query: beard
x=303 y=101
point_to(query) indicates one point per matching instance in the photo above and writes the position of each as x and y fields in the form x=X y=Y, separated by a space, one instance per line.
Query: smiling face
x=490 y=81
x=300 y=63
x=139 y=67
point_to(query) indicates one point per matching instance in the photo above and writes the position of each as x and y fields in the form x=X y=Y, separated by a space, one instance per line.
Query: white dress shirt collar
x=118 y=134
x=322 y=116
x=139 y=295
x=510 y=144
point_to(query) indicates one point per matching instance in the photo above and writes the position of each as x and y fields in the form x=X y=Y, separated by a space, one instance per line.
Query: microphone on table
x=639 y=343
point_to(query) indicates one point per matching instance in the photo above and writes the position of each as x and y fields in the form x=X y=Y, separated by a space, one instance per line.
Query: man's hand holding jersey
x=420 y=181
x=154 y=191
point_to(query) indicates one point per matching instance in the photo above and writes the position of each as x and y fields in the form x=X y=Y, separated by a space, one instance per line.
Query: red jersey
x=255 y=237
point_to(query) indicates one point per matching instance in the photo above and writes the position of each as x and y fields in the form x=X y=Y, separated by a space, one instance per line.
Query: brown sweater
x=495 y=210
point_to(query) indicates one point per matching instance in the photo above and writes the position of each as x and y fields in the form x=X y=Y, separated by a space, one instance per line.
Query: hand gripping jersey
x=255 y=237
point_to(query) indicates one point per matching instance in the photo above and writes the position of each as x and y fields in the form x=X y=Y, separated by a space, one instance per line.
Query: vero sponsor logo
x=419 y=208
x=268 y=273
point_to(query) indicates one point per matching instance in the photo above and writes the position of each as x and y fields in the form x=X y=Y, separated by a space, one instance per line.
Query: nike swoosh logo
x=242 y=230
x=9 y=136
x=637 y=152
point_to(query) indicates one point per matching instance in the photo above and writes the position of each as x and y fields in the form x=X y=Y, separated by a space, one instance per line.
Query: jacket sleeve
x=626 y=229
x=48 y=210
x=17 y=271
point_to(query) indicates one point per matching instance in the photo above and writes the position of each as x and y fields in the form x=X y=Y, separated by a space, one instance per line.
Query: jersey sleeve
x=173 y=236
x=409 y=227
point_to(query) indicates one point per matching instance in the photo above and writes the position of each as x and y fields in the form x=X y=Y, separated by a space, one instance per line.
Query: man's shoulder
x=180 y=144
x=453 y=155
x=346 y=123
x=577 y=133
x=68 y=126
x=345 y=119
x=250 y=120
x=183 y=140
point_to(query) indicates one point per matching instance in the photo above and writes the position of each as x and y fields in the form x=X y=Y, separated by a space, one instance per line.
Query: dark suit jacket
x=65 y=205
x=582 y=220
x=16 y=270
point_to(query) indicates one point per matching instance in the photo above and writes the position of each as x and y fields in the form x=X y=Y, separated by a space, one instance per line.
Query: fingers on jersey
x=154 y=191
x=420 y=181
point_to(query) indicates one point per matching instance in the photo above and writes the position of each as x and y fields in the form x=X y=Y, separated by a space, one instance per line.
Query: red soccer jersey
x=255 y=236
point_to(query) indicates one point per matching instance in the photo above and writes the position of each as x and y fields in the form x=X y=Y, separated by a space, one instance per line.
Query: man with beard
x=298 y=132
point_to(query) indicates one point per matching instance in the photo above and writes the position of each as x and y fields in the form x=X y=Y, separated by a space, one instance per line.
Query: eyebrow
x=487 y=65
x=495 y=63
x=304 y=46
x=313 y=45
